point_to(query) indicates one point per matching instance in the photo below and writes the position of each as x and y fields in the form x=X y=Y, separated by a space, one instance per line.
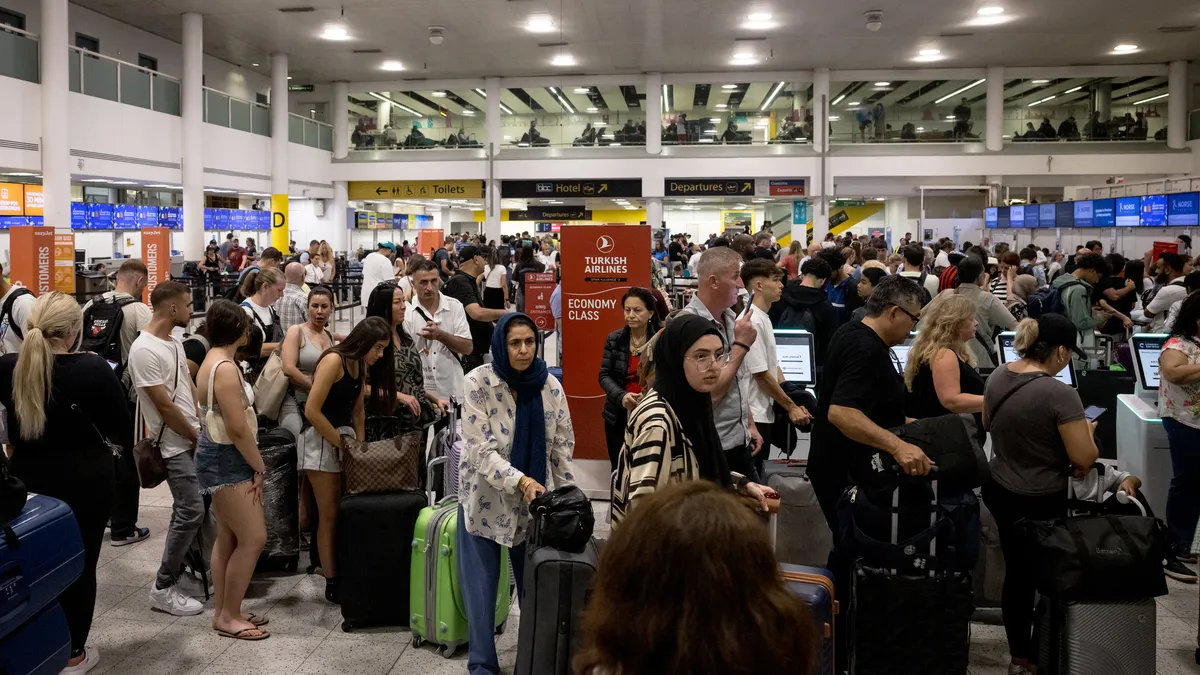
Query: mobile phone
x=749 y=304
x=1093 y=412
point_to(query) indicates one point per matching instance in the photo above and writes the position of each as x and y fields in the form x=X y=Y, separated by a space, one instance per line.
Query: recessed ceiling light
x=929 y=58
x=468 y=112
x=920 y=128
x=313 y=111
x=759 y=21
x=582 y=90
x=563 y=60
x=833 y=118
x=1125 y=48
x=715 y=120
x=930 y=52
x=124 y=182
x=253 y=65
x=883 y=84
x=759 y=16
x=1041 y=81
x=438 y=94
x=391 y=65
x=289 y=77
x=593 y=110
x=335 y=33
x=853 y=103
x=539 y=23
x=722 y=105
x=990 y=10
x=729 y=86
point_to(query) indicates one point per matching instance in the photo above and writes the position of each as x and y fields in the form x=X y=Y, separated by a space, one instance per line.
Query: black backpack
x=926 y=298
x=804 y=319
x=6 y=311
x=102 y=328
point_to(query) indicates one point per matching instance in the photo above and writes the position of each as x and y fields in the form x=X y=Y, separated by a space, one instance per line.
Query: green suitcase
x=437 y=611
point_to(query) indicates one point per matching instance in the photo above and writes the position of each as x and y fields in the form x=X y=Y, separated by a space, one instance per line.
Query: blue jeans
x=479 y=575
x=1183 y=499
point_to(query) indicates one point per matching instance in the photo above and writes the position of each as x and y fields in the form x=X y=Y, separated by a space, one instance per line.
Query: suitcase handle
x=433 y=464
x=13 y=589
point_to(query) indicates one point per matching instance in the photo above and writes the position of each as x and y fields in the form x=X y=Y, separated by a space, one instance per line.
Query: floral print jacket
x=487 y=486
x=1181 y=401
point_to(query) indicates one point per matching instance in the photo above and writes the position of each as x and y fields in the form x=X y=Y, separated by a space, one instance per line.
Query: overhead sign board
x=551 y=213
x=537 y=189
x=786 y=187
x=35 y=202
x=415 y=189
x=709 y=187
x=12 y=199
x=306 y=88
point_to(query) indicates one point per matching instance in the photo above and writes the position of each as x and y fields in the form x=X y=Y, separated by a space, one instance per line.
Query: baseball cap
x=1057 y=330
x=469 y=252
x=388 y=245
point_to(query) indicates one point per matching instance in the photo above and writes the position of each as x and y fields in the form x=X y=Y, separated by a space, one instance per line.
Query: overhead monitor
x=1064 y=214
x=1183 y=209
x=1008 y=354
x=1154 y=211
x=1016 y=215
x=1146 y=348
x=1045 y=215
x=1003 y=217
x=989 y=216
x=78 y=216
x=1104 y=213
x=1128 y=211
x=99 y=216
x=796 y=352
x=901 y=351
x=1084 y=213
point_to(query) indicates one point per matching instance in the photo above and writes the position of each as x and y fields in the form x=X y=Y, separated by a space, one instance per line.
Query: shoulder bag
x=214 y=422
x=147 y=454
x=384 y=462
x=271 y=387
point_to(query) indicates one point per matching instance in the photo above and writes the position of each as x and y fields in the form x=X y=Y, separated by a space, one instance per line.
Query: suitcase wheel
x=501 y=627
x=448 y=651
x=417 y=642
x=347 y=627
x=292 y=566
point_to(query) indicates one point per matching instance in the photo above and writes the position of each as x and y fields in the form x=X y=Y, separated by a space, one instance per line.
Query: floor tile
x=109 y=595
x=356 y=656
x=136 y=607
x=305 y=618
x=137 y=665
x=426 y=661
x=119 y=638
x=374 y=634
x=1184 y=603
x=1177 y=662
x=186 y=641
x=127 y=571
x=276 y=654
x=1175 y=634
x=150 y=549
x=989 y=646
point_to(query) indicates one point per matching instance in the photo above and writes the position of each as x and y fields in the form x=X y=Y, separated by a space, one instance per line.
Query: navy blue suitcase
x=814 y=585
x=40 y=646
x=48 y=558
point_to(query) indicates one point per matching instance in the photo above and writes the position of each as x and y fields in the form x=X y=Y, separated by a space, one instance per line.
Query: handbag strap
x=996 y=408
x=212 y=374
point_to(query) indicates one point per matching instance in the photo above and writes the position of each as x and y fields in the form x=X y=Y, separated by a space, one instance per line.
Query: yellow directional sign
x=416 y=189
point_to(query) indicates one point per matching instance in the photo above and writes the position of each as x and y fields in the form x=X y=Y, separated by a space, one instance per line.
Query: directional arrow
x=748 y=187
x=603 y=189
x=380 y=191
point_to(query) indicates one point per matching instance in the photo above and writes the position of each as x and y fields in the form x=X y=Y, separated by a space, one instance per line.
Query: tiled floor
x=307 y=637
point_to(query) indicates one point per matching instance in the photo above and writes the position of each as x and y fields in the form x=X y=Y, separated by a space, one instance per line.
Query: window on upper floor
x=148 y=62
x=1086 y=109
x=907 y=111
x=87 y=42
x=737 y=112
x=11 y=18
x=418 y=119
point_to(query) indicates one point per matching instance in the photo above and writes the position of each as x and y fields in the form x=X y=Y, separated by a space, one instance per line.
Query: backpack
x=803 y=318
x=102 y=324
x=926 y=297
x=6 y=311
x=1047 y=300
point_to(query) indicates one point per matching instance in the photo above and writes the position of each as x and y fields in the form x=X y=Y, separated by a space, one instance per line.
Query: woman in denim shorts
x=230 y=468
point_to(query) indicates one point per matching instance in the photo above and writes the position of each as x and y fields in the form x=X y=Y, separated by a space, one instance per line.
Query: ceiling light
x=928 y=58
x=124 y=182
x=759 y=16
x=771 y=98
x=312 y=111
x=691 y=201
x=507 y=110
x=392 y=66
x=95 y=180
x=722 y=105
x=253 y=65
x=1072 y=90
x=930 y=52
x=838 y=99
x=593 y=110
x=1040 y=81
x=743 y=59
x=956 y=92
x=1152 y=98
x=704 y=140
x=563 y=60
x=715 y=120
x=614 y=145
x=990 y=10
x=950 y=117
x=289 y=77
x=853 y=103
x=539 y=23
x=1125 y=49
x=479 y=91
x=468 y=112
x=759 y=21
x=883 y=84
x=707 y=131
x=438 y=94
x=1048 y=98
x=880 y=199
x=833 y=118
x=730 y=86
x=335 y=33
x=666 y=100
x=920 y=128
x=395 y=103
x=22 y=173
x=582 y=90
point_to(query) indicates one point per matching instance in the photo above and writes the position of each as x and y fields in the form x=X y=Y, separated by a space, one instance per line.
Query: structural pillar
x=1177 y=115
x=192 y=165
x=279 y=151
x=383 y=115
x=491 y=195
x=56 y=148
x=340 y=240
x=654 y=212
x=1104 y=100
x=819 y=206
x=994 y=136
x=654 y=115
x=445 y=218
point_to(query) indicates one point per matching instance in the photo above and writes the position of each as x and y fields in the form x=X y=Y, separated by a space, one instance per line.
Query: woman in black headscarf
x=670 y=437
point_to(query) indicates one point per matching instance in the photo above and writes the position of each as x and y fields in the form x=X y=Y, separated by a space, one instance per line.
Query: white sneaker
x=91 y=659
x=172 y=601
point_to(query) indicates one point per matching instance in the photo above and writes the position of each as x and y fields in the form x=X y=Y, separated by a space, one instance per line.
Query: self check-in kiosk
x=1142 y=447
x=1005 y=347
x=796 y=352
x=901 y=350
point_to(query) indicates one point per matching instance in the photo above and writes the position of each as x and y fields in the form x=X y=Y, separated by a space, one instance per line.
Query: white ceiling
x=487 y=38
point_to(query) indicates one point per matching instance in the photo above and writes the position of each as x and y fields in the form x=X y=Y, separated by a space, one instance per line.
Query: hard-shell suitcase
x=40 y=646
x=1095 y=638
x=437 y=611
x=802 y=535
x=814 y=585
x=47 y=559
x=280 y=500
x=556 y=590
x=373 y=557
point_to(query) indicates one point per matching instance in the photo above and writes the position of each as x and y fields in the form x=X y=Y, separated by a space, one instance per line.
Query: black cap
x=1057 y=330
x=469 y=252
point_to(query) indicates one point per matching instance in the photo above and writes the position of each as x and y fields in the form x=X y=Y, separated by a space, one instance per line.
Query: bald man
x=292 y=306
x=744 y=245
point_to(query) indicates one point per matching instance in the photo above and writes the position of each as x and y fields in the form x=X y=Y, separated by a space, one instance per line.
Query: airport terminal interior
x=597 y=136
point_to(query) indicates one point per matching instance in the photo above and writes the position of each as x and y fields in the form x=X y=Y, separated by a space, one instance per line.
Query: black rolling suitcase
x=281 y=501
x=374 y=554
x=910 y=611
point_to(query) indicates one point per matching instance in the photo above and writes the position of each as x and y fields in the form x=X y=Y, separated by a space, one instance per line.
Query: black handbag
x=952 y=442
x=562 y=519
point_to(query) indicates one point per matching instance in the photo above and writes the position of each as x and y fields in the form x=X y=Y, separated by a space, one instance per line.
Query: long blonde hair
x=939 y=330
x=55 y=316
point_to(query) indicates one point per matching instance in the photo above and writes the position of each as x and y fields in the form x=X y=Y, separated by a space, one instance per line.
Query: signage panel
x=1084 y=213
x=1183 y=209
x=1064 y=214
x=1154 y=211
x=709 y=187
x=1002 y=217
x=1016 y=215
x=99 y=216
x=408 y=189
x=35 y=203
x=64 y=262
x=789 y=187
x=540 y=189
x=12 y=199
x=1103 y=213
x=156 y=253
x=539 y=286
x=32 y=258
x=124 y=217
x=78 y=216
x=990 y=216
x=1128 y=211
x=551 y=213
x=1045 y=215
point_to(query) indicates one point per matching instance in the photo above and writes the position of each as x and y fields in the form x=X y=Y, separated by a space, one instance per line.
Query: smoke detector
x=437 y=34
x=874 y=19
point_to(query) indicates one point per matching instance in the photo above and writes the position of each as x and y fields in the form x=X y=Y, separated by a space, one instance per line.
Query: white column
x=56 y=148
x=192 y=95
x=654 y=210
x=1104 y=100
x=491 y=202
x=279 y=149
x=820 y=108
x=1177 y=116
x=654 y=116
x=994 y=136
x=491 y=223
x=341 y=146
x=383 y=114
x=445 y=218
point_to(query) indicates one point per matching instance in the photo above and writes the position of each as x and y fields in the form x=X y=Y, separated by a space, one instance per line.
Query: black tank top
x=923 y=400
x=339 y=404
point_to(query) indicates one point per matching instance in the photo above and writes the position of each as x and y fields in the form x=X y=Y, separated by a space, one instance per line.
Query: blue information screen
x=170 y=216
x=1016 y=216
x=1045 y=215
x=1084 y=214
x=1064 y=214
x=989 y=216
x=1154 y=211
x=146 y=216
x=125 y=217
x=7 y=222
x=99 y=216
x=263 y=219
x=1128 y=211
x=78 y=216
x=1182 y=209
x=1104 y=213
x=1002 y=217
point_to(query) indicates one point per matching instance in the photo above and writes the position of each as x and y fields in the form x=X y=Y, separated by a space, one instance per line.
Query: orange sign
x=35 y=201
x=156 y=253
x=429 y=241
x=31 y=250
x=12 y=199
x=64 y=262
x=599 y=263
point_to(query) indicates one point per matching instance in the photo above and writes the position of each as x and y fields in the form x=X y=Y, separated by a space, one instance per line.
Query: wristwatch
x=739 y=481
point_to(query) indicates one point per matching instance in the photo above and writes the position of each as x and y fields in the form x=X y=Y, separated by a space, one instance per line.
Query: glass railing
x=1194 y=125
x=232 y=112
x=309 y=132
x=18 y=54
x=103 y=77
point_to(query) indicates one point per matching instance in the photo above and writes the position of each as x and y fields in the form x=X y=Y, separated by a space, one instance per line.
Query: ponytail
x=55 y=316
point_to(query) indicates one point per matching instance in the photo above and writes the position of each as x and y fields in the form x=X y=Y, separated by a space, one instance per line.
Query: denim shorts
x=219 y=465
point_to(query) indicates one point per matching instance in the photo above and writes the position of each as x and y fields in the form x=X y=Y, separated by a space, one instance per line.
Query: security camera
x=874 y=20
x=437 y=34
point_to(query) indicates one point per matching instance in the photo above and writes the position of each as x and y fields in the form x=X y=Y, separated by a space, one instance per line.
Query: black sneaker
x=1178 y=571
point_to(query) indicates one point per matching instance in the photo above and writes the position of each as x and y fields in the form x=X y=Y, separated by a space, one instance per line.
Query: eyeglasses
x=915 y=317
x=705 y=362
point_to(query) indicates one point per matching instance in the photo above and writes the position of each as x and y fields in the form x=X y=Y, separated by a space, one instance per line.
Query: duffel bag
x=953 y=443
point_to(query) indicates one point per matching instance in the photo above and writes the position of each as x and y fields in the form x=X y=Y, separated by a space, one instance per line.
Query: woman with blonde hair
x=67 y=418
x=940 y=376
x=791 y=262
x=326 y=264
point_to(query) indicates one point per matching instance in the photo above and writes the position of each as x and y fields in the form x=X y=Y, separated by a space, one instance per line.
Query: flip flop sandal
x=242 y=634
x=256 y=619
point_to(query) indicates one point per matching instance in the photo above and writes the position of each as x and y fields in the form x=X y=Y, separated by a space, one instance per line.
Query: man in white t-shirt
x=16 y=303
x=158 y=368
x=765 y=281
x=438 y=325
x=132 y=277
x=914 y=264
x=378 y=268
x=1173 y=292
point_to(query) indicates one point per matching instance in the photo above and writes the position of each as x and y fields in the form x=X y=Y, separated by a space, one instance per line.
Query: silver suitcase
x=799 y=530
x=1096 y=638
